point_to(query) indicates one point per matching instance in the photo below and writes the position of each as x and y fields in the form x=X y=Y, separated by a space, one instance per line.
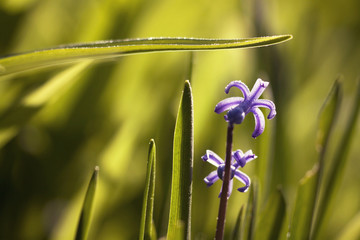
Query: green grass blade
x=337 y=168
x=181 y=185
x=85 y=216
x=147 y=231
x=116 y=48
x=272 y=218
x=237 y=228
x=250 y=213
x=327 y=117
x=304 y=205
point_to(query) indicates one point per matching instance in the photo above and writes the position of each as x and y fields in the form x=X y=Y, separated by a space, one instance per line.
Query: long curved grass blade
x=272 y=218
x=116 y=48
x=250 y=213
x=146 y=227
x=181 y=185
x=305 y=201
x=337 y=168
x=85 y=216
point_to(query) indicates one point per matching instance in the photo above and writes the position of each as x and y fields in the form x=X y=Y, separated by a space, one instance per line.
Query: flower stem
x=225 y=188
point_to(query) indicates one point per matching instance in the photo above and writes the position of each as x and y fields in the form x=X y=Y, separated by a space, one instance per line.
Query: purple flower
x=238 y=159
x=238 y=107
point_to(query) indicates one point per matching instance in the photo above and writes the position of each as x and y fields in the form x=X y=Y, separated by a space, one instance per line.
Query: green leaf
x=85 y=216
x=271 y=218
x=337 y=168
x=250 y=214
x=304 y=205
x=13 y=119
x=181 y=185
x=147 y=230
x=115 y=48
x=327 y=117
x=237 y=229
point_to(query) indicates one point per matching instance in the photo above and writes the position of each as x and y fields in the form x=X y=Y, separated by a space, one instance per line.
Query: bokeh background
x=109 y=111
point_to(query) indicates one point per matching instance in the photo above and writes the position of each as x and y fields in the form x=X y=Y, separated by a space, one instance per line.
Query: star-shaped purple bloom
x=238 y=107
x=238 y=159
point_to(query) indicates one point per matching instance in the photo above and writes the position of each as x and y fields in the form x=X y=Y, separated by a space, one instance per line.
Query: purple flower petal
x=228 y=103
x=266 y=103
x=211 y=178
x=242 y=86
x=231 y=183
x=242 y=177
x=258 y=89
x=212 y=158
x=249 y=156
x=259 y=122
x=239 y=158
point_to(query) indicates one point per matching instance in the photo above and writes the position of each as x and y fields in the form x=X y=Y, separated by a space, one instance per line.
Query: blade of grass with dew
x=115 y=48
x=237 y=228
x=300 y=225
x=12 y=120
x=351 y=230
x=250 y=213
x=85 y=216
x=337 y=168
x=183 y=150
x=271 y=218
x=147 y=230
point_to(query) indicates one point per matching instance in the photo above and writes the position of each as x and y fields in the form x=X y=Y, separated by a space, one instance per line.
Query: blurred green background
x=107 y=113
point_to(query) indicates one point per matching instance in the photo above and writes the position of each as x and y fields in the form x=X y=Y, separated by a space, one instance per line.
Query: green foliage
x=182 y=169
x=86 y=211
x=271 y=217
x=147 y=229
x=115 y=48
x=300 y=225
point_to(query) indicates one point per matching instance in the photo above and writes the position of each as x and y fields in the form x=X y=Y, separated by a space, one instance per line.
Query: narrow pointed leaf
x=147 y=230
x=115 y=48
x=250 y=214
x=237 y=228
x=305 y=201
x=85 y=216
x=272 y=218
x=181 y=185
x=337 y=168
x=328 y=115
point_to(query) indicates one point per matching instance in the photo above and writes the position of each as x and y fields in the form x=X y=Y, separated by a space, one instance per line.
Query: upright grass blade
x=181 y=185
x=236 y=235
x=337 y=169
x=250 y=214
x=305 y=201
x=147 y=230
x=115 y=48
x=272 y=218
x=85 y=216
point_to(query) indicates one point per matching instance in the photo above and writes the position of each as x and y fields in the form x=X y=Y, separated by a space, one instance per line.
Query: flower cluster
x=238 y=108
x=238 y=159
